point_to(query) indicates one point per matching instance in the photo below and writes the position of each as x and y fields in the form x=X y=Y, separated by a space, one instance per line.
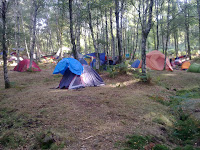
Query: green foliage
x=11 y=140
x=145 y=78
x=160 y=147
x=47 y=140
x=159 y=99
x=186 y=129
x=137 y=141
x=118 y=69
x=187 y=147
x=192 y=93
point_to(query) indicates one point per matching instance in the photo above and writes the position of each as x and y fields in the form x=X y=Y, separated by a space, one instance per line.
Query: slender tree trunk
x=146 y=27
x=167 y=36
x=136 y=43
x=107 y=48
x=71 y=30
x=111 y=31
x=36 y=6
x=25 y=40
x=187 y=28
x=157 y=25
x=143 y=47
x=94 y=41
x=121 y=23
x=118 y=29
x=154 y=39
x=198 y=9
x=162 y=35
x=78 y=45
x=3 y=13
x=86 y=45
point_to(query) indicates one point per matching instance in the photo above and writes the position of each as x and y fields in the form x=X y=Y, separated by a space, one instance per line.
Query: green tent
x=194 y=68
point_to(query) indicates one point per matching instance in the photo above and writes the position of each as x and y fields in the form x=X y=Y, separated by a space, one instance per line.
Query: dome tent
x=24 y=65
x=155 y=60
x=76 y=75
x=194 y=68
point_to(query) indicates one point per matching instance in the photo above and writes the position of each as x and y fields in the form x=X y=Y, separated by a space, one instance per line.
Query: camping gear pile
x=76 y=75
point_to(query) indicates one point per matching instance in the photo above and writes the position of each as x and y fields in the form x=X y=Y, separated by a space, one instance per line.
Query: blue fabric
x=83 y=61
x=135 y=64
x=74 y=66
x=1 y=53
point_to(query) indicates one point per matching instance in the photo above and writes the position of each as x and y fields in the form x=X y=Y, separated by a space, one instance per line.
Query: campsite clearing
x=92 y=117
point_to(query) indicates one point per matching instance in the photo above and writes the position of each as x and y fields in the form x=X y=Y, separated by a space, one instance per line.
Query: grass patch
x=192 y=93
x=48 y=140
x=11 y=140
x=136 y=142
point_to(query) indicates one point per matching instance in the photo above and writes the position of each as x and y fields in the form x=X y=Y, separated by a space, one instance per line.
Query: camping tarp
x=155 y=61
x=74 y=66
x=194 y=68
x=24 y=65
x=135 y=64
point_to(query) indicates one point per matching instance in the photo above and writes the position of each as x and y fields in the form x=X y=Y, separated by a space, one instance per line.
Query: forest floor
x=91 y=118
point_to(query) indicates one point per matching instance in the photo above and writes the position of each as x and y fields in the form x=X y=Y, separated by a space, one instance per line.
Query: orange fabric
x=155 y=60
x=185 y=65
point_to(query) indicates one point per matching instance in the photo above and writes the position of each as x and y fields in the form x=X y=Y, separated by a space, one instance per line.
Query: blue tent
x=83 y=61
x=74 y=66
x=101 y=57
x=135 y=64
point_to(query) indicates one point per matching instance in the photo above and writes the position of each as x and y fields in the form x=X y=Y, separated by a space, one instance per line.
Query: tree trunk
x=167 y=36
x=111 y=31
x=118 y=29
x=86 y=45
x=187 y=28
x=5 y=69
x=25 y=40
x=198 y=9
x=136 y=43
x=146 y=27
x=157 y=27
x=121 y=23
x=78 y=45
x=162 y=35
x=71 y=30
x=107 y=48
x=36 y=6
x=94 y=41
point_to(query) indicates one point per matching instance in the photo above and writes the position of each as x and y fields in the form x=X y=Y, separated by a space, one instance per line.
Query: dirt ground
x=92 y=118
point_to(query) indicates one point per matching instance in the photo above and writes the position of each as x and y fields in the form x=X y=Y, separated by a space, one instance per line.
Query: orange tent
x=185 y=65
x=155 y=60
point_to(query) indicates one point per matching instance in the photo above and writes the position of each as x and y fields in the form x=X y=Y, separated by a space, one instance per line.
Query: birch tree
x=71 y=31
x=5 y=69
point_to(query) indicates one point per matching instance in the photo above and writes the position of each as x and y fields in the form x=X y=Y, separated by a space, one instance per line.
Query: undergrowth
x=118 y=69
x=185 y=132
